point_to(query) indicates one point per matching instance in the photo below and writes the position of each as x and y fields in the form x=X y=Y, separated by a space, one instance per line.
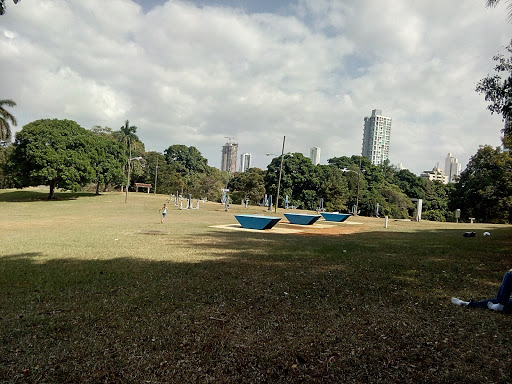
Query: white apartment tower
x=245 y=162
x=314 y=155
x=451 y=168
x=376 y=137
x=436 y=174
x=229 y=156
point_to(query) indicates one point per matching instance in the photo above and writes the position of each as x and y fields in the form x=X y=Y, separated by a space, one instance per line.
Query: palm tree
x=494 y=3
x=2 y=5
x=126 y=134
x=5 y=116
x=129 y=131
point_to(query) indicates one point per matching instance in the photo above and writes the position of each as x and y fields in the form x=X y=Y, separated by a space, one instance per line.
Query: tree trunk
x=52 y=188
x=98 y=188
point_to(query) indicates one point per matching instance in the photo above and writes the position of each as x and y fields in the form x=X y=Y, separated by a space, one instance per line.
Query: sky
x=202 y=73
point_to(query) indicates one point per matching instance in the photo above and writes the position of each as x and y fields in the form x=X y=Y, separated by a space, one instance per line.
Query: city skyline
x=452 y=168
x=314 y=155
x=376 y=137
x=229 y=157
x=245 y=161
x=190 y=72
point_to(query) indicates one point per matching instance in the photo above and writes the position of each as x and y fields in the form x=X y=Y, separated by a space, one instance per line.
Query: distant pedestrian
x=164 y=213
x=501 y=302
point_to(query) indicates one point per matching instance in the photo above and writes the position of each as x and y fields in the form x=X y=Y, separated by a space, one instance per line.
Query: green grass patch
x=95 y=290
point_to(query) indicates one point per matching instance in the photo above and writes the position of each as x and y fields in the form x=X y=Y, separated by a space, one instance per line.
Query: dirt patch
x=335 y=230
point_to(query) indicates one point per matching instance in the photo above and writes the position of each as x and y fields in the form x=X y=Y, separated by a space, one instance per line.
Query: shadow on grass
x=27 y=196
x=366 y=307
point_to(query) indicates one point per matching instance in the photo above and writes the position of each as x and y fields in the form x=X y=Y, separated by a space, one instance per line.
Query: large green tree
x=333 y=188
x=5 y=118
x=299 y=181
x=484 y=190
x=5 y=179
x=107 y=159
x=247 y=185
x=207 y=184
x=200 y=179
x=498 y=91
x=168 y=181
x=54 y=153
x=186 y=160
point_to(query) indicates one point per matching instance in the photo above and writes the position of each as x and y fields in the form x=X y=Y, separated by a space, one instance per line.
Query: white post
x=419 y=207
x=386 y=222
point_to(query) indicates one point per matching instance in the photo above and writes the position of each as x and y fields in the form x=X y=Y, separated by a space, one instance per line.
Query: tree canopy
x=54 y=153
x=107 y=159
x=498 y=91
x=186 y=160
x=484 y=190
x=248 y=185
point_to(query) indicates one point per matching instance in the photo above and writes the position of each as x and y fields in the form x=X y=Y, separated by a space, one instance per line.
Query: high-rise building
x=245 y=162
x=376 y=137
x=436 y=174
x=451 y=168
x=314 y=155
x=229 y=156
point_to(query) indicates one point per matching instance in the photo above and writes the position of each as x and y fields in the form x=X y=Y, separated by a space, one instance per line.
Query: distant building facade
x=229 y=157
x=451 y=168
x=376 y=137
x=314 y=155
x=436 y=174
x=245 y=162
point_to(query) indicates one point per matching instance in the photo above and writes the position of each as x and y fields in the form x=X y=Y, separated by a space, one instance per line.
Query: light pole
x=280 y=173
x=358 y=179
x=128 y=179
x=357 y=193
x=156 y=173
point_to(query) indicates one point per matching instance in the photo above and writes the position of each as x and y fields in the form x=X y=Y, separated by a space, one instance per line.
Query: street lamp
x=280 y=173
x=138 y=158
x=358 y=179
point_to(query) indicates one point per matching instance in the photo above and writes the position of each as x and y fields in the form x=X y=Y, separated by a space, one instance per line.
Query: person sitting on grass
x=501 y=302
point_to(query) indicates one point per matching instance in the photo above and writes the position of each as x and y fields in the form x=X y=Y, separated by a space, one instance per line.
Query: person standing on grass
x=501 y=302
x=164 y=213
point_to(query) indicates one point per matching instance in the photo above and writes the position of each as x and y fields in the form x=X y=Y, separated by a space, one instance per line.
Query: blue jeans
x=503 y=296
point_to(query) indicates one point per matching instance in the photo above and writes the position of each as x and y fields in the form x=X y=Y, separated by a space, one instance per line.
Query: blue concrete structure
x=301 y=218
x=257 y=222
x=339 y=217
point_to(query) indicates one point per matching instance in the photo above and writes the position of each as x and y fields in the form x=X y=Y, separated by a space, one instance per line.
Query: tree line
x=62 y=154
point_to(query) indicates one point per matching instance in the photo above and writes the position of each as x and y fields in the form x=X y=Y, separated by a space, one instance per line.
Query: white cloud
x=186 y=74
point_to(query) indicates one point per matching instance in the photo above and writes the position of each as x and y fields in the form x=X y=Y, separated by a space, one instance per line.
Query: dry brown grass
x=199 y=304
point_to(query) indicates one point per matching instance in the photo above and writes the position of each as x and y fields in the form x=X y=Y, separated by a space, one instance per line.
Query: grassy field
x=93 y=290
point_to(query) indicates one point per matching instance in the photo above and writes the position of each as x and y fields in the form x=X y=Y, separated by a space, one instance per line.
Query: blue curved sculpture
x=339 y=217
x=257 y=221
x=302 y=218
